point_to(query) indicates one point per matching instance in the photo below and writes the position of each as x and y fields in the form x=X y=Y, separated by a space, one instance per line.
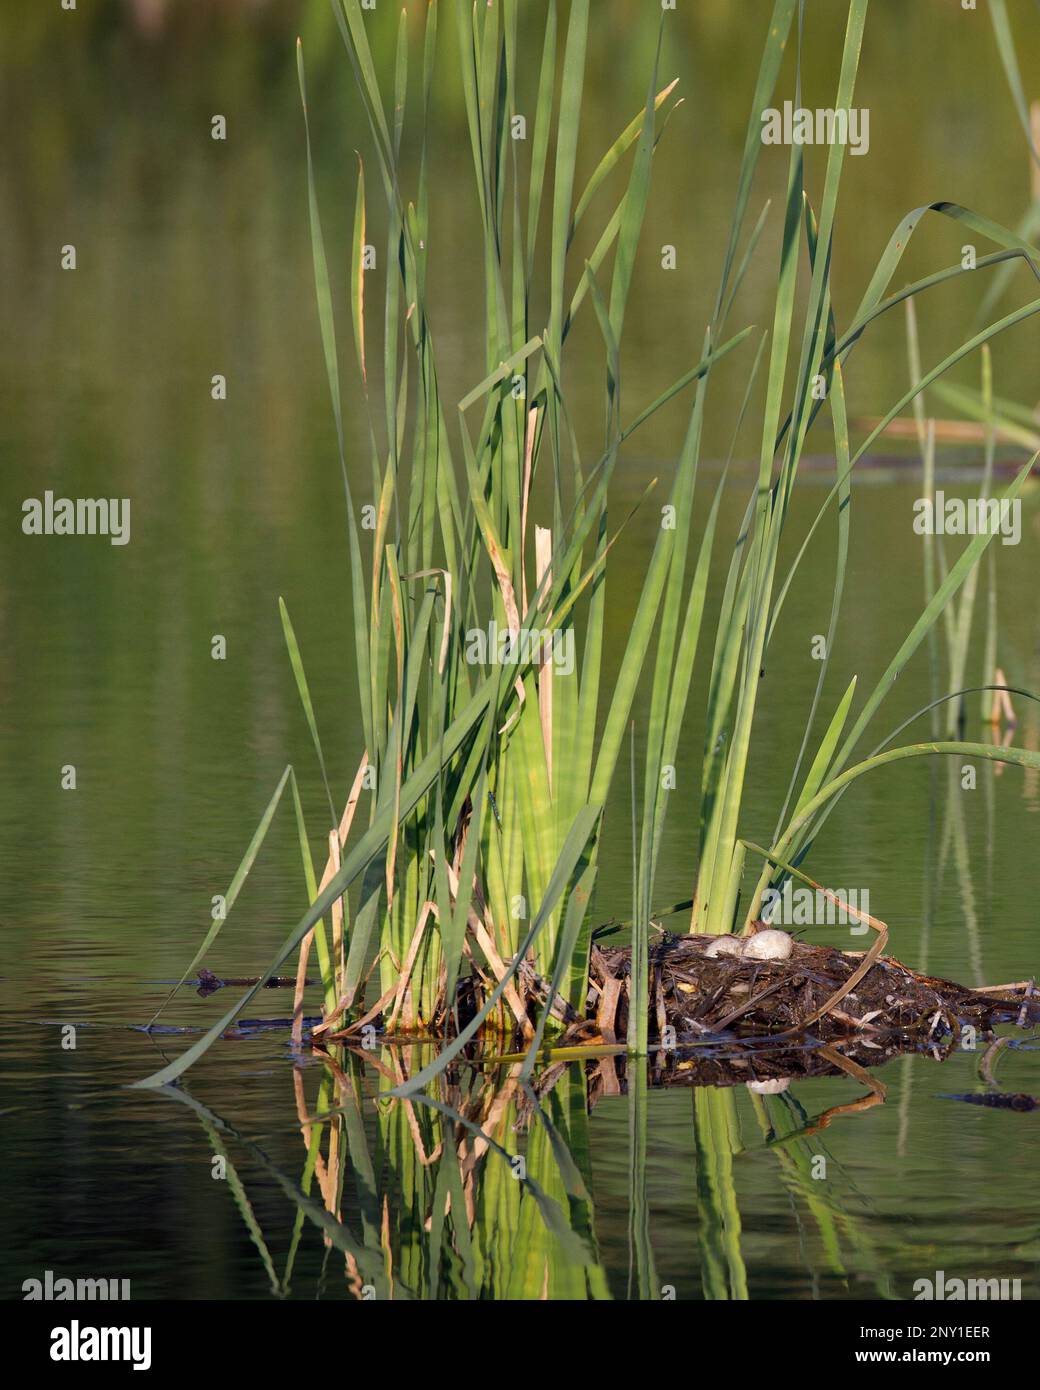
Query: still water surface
x=195 y=261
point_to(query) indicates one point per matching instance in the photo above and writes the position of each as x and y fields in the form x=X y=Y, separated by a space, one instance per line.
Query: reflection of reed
x=838 y=1231
x=481 y=1186
x=642 y=1276
x=955 y=844
x=718 y=1145
x=717 y=1137
x=479 y=1191
x=365 y=1253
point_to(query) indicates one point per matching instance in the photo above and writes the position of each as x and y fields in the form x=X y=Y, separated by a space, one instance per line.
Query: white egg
x=724 y=946
x=768 y=945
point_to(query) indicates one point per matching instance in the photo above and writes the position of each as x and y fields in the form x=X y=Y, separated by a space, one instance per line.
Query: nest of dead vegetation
x=695 y=994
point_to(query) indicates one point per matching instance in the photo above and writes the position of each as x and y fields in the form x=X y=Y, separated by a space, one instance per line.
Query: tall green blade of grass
x=1006 y=46
x=302 y=687
x=234 y=887
x=325 y=962
x=965 y=608
x=566 y=157
x=956 y=575
x=768 y=74
x=836 y=786
x=769 y=522
x=989 y=657
x=328 y=342
x=715 y=866
x=836 y=391
x=958 y=572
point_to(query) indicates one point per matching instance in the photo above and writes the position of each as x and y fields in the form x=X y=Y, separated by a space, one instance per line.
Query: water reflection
x=482 y=1187
x=478 y=1191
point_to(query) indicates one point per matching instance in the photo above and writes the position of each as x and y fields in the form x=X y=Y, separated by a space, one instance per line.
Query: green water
x=193 y=259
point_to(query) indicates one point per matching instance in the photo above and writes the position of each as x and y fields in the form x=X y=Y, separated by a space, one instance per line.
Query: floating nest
x=723 y=993
x=695 y=994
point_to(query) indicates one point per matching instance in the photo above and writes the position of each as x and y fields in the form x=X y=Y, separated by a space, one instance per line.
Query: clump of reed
x=470 y=841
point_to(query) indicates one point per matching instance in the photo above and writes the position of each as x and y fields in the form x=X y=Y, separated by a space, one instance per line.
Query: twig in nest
x=868 y=960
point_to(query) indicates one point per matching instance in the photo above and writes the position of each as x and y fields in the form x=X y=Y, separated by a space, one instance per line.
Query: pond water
x=194 y=260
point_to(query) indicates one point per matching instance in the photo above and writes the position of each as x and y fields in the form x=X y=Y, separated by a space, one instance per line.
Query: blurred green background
x=194 y=259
